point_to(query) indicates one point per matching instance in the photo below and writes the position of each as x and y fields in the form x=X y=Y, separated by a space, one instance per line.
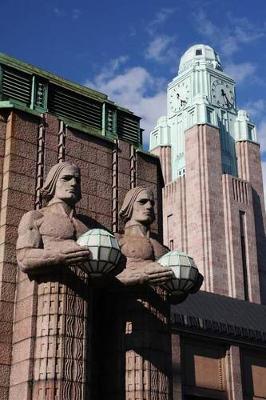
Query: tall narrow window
x=243 y=251
x=169 y=231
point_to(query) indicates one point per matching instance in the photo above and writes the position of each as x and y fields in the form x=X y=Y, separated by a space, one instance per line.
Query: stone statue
x=47 y=251
x=140 y=250
x=137 y=349
x=47 y=237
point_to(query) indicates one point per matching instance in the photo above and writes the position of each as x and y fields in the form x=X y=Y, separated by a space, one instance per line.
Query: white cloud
x=159 y=19
x=244 y=30
x=257 y=108
x=240 y=72
x=59 y=12
x=131 y=88
x=76 y=13
x=231 y=36
x=109 y=70
x=160 y=49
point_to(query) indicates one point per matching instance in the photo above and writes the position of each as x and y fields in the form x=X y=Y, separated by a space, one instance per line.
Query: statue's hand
x=74 y=255
x=151 y=273
x=155 y=274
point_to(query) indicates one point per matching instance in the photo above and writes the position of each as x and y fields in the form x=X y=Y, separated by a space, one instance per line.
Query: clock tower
x=213 y=196
x=202 y=93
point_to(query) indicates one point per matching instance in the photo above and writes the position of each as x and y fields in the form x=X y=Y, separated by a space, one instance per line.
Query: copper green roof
x=34 y=90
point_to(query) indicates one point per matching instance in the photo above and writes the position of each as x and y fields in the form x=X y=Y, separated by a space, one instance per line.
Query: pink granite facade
x=46 y=347
x=218 y=218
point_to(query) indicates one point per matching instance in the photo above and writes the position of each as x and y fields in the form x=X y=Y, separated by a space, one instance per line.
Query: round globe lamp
x=186 y=279
x=105 y=251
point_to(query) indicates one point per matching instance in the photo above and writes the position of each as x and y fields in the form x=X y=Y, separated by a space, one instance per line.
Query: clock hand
x=229 y=104
x=182 y=102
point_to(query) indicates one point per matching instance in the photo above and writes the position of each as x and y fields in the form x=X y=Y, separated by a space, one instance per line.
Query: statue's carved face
x=143 y=208
x=68 y=185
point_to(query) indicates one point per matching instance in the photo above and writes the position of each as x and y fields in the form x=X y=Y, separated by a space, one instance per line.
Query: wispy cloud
x=240 y=72
x=257 y=108
x=131 y=88
x=108 y=71
x=159 y=19
x=59 y=12
x=62 y=13
x=161 y=49
x=76 y=13
x=232 y=35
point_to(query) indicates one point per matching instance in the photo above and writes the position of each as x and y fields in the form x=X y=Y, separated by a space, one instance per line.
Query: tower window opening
x=198 y=52
x=209 y=115
x=250 y=132
x=242 y=216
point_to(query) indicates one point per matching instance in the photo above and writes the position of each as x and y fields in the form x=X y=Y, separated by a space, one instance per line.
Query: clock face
x=222 y=94
x=179 y=96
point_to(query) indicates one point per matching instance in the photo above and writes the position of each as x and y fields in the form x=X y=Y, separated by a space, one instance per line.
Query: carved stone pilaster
x=40 y=162
x=115 y=188
x=132 y=167
x=61 y=334
x=61 y=141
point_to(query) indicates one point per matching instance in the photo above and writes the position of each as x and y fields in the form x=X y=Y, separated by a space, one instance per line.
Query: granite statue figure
x=47 y=237
x=136 y=243
x=137 y=349
x=47 y=251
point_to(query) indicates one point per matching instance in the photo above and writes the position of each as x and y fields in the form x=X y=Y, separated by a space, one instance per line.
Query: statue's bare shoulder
x=159 y=249
x=28 y=229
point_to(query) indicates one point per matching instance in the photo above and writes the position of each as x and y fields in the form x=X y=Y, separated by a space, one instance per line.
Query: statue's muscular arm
x=139 y=271
x=32 y=257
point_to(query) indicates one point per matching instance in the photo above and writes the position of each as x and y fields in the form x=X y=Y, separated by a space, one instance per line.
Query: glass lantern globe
x=105 y=251
x=186 y=274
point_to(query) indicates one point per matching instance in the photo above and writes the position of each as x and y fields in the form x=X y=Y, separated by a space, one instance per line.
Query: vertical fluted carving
x=40 y=162
x=132 y=167
x=115 y=188
x=61 y=141
x=60 y=353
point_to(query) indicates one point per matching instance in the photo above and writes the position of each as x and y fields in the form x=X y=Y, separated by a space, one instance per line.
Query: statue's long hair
x=48 y=189
x=126 y=210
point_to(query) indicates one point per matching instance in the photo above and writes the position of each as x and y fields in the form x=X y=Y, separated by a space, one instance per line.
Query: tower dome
x=200 y=54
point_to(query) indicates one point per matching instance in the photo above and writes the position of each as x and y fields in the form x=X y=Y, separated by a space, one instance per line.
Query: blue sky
x=130 y=50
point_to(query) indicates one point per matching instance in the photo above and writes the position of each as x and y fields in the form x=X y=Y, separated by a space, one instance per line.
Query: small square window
x=198 y=52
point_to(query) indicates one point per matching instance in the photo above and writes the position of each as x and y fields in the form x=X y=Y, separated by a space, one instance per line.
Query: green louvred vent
x=67 y=104
x=16 y=85
x=28 y=88
x=128 y=127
